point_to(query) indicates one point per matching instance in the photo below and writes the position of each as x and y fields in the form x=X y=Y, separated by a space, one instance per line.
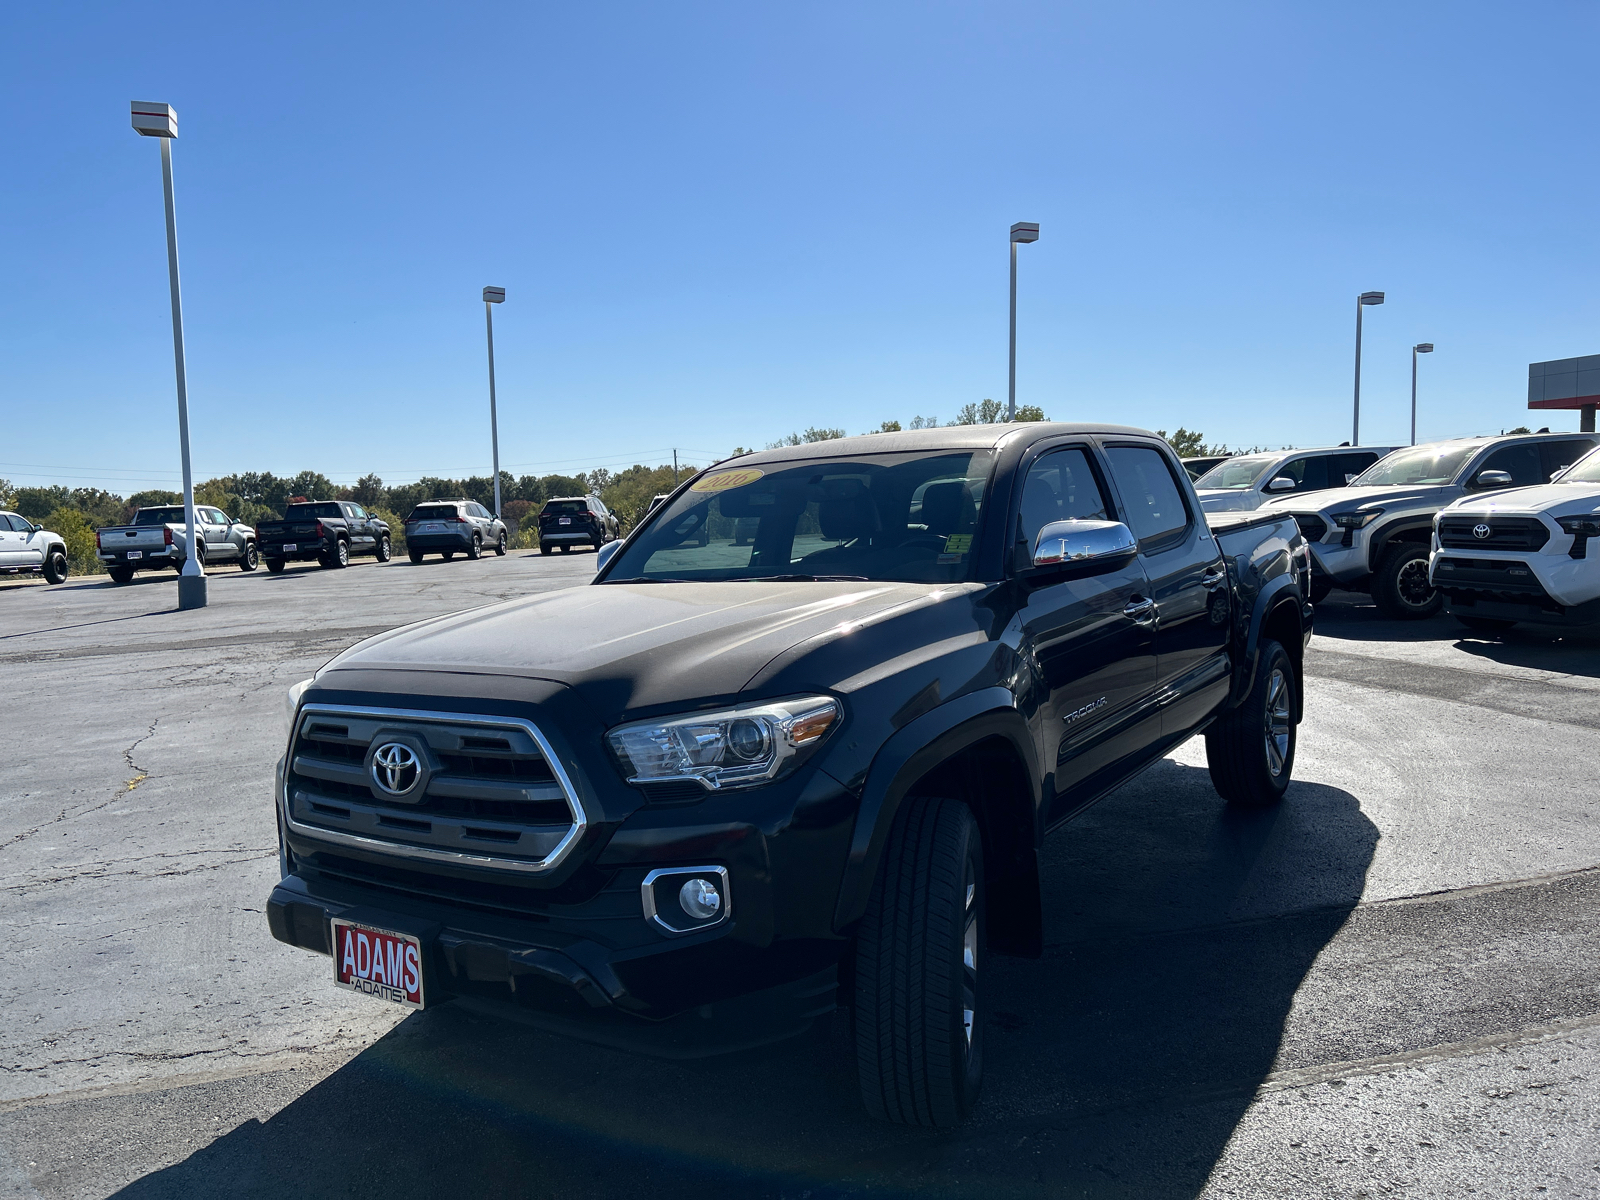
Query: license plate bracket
x=135 y=553
x=379 y=962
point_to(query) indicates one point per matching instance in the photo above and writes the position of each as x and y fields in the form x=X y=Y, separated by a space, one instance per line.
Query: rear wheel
x=276 y=565
x=1250 y=749
x=475 y=551
x=1485 y=624
x=566 y=547
x=414 y=555
x=120 y=574
x=385 y=550
x=447 y=555
x=919 y=1006
x=543 y=549
x=339 y=558
x=500 y=546
x=1400 y=586
x=251 y=558
x=55 y=567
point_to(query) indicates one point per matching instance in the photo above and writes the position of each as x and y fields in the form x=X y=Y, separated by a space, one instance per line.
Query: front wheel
x=1400 y=586
x=919 y=1003
x=251 y=558
x=385 y=550
x=1250 y=749
x=500 y=546
x=55 y=567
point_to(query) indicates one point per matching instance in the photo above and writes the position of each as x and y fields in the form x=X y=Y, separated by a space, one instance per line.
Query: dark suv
x=567 y=521
x=449 y=527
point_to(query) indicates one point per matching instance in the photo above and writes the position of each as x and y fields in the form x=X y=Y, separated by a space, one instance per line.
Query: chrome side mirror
x=1083 y=547
x=1281 y=484
x=606 y=554
x=1493 y=479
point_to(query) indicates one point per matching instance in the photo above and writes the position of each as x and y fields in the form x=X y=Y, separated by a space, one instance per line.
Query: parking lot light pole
x=493 y=295
x=161 y=121
x=1362 y=301
x=1419 y=348
x=1022 y=231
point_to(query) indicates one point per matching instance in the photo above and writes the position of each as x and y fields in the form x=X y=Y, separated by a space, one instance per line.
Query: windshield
x=1585 y=470
x=1236 y=474
x=323 y=509
x=1433 y=464
x=159 y=516
x=906 y=517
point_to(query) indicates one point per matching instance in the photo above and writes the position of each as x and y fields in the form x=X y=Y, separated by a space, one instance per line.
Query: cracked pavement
x=1388 y=987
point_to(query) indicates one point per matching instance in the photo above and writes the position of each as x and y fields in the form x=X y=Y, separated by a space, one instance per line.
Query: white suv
x=26 y=547
x=1247 y=481
x=1531 y=554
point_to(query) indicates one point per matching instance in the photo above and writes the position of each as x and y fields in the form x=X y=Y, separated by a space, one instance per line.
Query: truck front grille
x=1312 y=528
x=485 y=791
x=1505 y=533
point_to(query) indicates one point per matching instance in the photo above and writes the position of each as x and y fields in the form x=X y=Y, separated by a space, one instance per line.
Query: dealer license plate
x=287 y=546
x=433 y=527
x=378 y=962
x=135 y=553
x=564 y=521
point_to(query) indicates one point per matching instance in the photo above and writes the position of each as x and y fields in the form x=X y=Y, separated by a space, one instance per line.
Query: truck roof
x=948 y=437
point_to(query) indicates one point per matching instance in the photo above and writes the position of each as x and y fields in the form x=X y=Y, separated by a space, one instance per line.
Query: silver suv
x=1247 y=481
x=451 y=527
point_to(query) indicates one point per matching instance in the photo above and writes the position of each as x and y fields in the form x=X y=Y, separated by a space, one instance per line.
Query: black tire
x=1250 y=749
x=475 y=551
x=595 y=545
x=276 y=565
x=251 y=558
x=543 y=549
x=447 y=555
x=500 y=546
x=566 y=547
x=414 y=555
x=385 y=550
x=1320 y=589
x=339 y=559
x=919 y=1009
x=120 y=574
x=1400 y=586
x=1484 y=624
x=55 y=567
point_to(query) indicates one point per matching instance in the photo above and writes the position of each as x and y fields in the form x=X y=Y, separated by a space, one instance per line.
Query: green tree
x=153 y=498
x=1519 y=429
x=889 y=427
x=369 y=492
x=1190 y=443
x=1030 y=412
x=631 y=491
x=36 y=503
x=992 y=412
x=924 y=422
x=8 y=494
x=811 y=434
x=75 y=531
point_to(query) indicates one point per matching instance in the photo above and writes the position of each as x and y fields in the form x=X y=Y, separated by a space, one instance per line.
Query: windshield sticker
x=723 y=480
x=957 y=544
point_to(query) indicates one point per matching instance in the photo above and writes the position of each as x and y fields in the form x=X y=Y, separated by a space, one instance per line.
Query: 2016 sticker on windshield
x=723 y=480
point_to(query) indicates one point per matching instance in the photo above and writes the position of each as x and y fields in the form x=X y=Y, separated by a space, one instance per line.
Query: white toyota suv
x=1523 y=555
x=1375 y=535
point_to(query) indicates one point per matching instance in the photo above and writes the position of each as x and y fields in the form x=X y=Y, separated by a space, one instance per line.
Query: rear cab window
x=1152 y=501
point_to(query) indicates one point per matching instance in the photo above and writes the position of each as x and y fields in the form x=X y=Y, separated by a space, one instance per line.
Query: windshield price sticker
x=958 y=543
x=723 y=480
x=377 y=962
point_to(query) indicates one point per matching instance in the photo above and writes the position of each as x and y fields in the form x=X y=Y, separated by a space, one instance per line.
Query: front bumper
x=1543 y=589
x=1340 y=563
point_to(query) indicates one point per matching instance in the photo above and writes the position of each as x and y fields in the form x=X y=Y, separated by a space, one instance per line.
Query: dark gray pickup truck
x=324 y=531
x=797 y=745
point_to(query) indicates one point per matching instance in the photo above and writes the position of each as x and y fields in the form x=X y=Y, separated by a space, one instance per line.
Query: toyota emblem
x=1481 y=531
x=395 y=768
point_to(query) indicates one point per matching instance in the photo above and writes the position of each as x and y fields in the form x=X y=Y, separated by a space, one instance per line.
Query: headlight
x=1357 y=520
x=291 y=705
x=1581 y=526
x=733 y=748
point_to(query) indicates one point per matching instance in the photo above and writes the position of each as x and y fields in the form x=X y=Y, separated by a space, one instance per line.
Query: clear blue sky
x=719 y=223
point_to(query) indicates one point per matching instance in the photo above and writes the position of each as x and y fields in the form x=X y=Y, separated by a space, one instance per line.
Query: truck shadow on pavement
x=1118 y=1065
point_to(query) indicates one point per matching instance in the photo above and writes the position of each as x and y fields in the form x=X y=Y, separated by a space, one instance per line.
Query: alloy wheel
x=969 y=955
x=1412 y=583
x=1277 y=722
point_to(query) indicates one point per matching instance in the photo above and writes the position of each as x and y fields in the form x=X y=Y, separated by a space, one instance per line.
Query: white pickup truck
x=31 y=549
x=1523 y=555
x=158 y=537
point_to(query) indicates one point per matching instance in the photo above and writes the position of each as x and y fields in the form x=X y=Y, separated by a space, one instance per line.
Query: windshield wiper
x=649 y=579
x=803 y=579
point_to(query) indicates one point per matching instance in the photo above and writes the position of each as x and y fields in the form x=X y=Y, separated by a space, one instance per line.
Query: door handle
x=1212 y=580
x=1142 y=611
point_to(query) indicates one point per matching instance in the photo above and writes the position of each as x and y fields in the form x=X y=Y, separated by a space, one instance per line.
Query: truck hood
x=1345 y=499
x=1556 y=499
x=627 y=647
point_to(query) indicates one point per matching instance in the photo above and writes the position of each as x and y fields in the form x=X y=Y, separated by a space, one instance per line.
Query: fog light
x=700 y=899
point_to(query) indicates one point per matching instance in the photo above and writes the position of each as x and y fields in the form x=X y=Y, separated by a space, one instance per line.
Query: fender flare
x=909 y=755
x=1270 y=597
x=1383 y=535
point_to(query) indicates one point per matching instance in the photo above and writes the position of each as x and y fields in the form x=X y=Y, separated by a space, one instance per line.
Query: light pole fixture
x=161 y=121
x=1022 y=231
x=493 y=295
x=1362 y=301
x=1419 y=348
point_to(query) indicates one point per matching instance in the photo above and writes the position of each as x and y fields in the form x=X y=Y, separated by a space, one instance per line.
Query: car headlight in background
x=291 y=704
x=730 y=748
x=1357 y=520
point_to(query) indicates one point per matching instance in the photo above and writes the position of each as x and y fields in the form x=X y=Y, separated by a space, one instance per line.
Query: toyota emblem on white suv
x=395 y=768
x=1481 y=531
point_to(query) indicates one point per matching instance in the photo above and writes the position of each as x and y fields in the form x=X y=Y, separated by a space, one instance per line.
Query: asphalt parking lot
x=1386 y=987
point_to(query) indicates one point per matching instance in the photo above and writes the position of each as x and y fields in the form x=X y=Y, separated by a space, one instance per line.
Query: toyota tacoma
x=734 y=782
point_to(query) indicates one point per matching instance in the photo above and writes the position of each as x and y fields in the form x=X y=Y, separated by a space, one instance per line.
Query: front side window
x=1519 y=462
x=1557 y=456
x=1060 y=486
x=1342 y=468
x=15 y=524
x=908 y=517
x=1424 y=466
x=1155 y=508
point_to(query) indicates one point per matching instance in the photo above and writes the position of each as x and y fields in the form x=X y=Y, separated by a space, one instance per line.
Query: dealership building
x=1567 y=383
